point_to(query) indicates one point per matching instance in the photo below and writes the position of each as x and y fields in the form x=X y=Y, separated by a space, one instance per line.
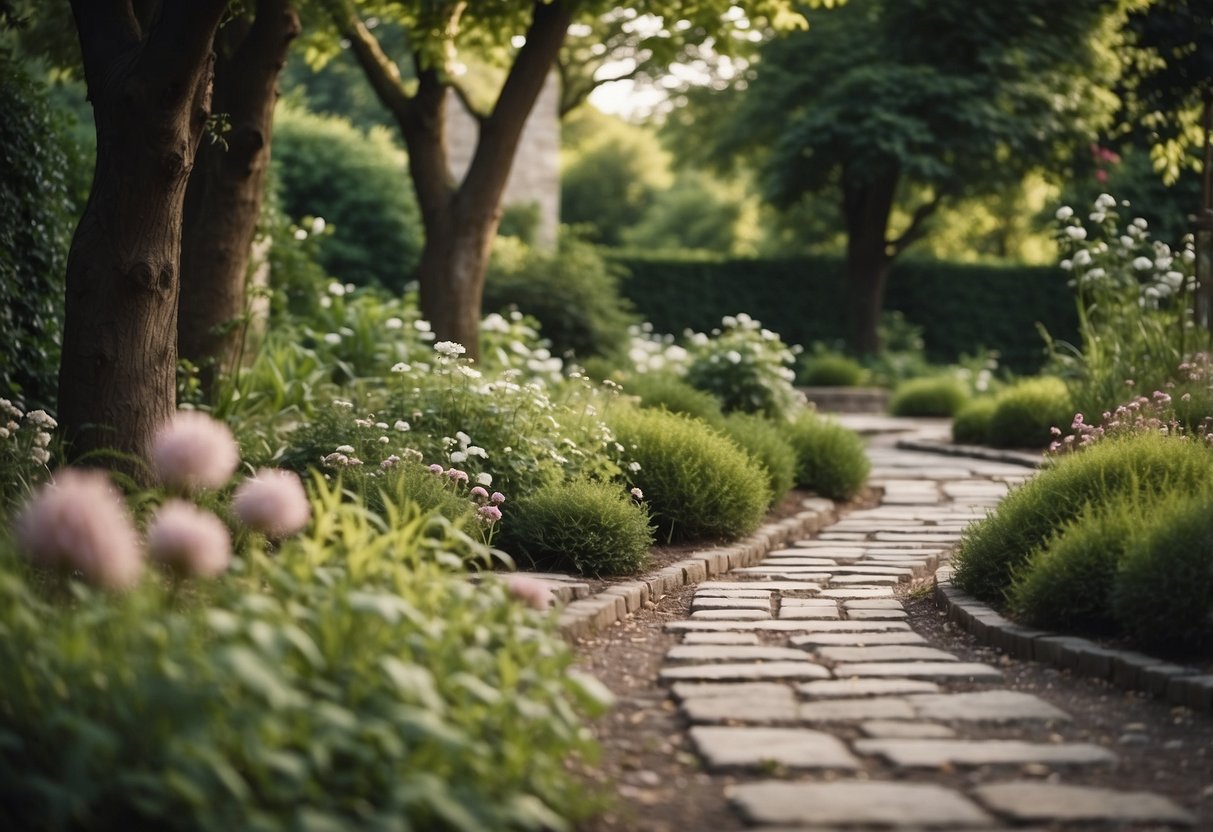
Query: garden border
x=935 y=446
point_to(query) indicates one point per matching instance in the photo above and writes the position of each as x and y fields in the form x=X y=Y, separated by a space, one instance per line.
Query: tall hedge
x=960 y=306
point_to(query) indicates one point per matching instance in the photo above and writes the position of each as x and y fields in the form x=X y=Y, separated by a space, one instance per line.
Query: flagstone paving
x=804 y=667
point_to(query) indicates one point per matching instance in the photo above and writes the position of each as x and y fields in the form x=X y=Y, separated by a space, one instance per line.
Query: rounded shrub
x=588 y=527
x=768 y=445
x=830 y=459
x=662 y=390
x=930 y=396
x=831 y=369
x=971 y=424
x=325 y=167
x=1026 y=412
x=1140 y=466
x=699 y=484
x=1163 y=593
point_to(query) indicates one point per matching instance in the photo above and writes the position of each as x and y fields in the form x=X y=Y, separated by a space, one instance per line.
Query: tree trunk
x=866 y=207
x=150 y=92
x=223 y=200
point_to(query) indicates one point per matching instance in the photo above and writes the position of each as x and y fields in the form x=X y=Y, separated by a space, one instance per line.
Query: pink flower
x=194 y=451
x=637 y=494
x=80 y=523
x=490 y=514
x=273 y=502
x=457 y=475
x=497 y=498
x=531 y=590
x=479 y=493
x=437 y=469
x=189 y=541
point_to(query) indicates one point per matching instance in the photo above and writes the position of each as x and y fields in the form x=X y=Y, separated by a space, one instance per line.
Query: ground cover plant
x=929 y=396
x=829 y=458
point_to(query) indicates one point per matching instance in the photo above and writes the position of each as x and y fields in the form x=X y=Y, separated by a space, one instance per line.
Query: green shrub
x=1026 y=412
x=831 y=370
x=348 y=681
x=591 y=528
x=932 y=396
x=971 y=424
x=830 y=459
x=1066 y=583
x=766 y=443
x=573 y=293
x=1163 y=594
x=1143 y=466
x=699 y=484
x=746 y=367
x=667 y=391
x=325 y=167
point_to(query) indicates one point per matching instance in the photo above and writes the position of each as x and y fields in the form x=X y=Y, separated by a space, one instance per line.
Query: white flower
x=318 y=225
x=1098 y=217
x=1140 y=223
x=400 y=367
x=1105 y=201
x=733 y=356
x=383 y=440
x=467 y=372
x=1064 y=213
x=364 y=423
x=463 y=438
x=345 y=449
x=476 y=450
x=332 y=338
x=326 y=302
x=40 y=455
x=1095 y=274
x=458 y=456
x=729 y=321
x=1082 y=257
x=4 y=434
x=393 y=323
x=448 y=348
x=484 y=479
x=401 y=425
x=421 y=325
x=343 y=404
x=300 y=234
x=41 y=419
x=633 y=467
x=336 y=289
x=637 y=494
x=42 y=439
x=1173 y=279
x=1143 y=263
x=1126 y=241
x=1076 y=232
x=1066 y=265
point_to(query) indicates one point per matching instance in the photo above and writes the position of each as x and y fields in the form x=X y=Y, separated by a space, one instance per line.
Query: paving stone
x=971 y=671
x=935 y=753
x=877 y=615
x=731 y=615
x=1031 y=800
x=857 y=592
x=810 y=612
x=722 y=746
x=733 y=653
x=707 y=690
x=746 y=671
x=808 y=602
x=890 y=653
x=808 y=626
x=858 y=639
x=847 y=536
x=788 y=560
x=854 y=710
x=751 y=594
x=988 y=706
x=868 y=580
x=782 y=586
x=720 y=638
x=770 y=705
x=847 y=688
x=856 y=804
x=874 y=604
x=895 y=728
x=731 y=604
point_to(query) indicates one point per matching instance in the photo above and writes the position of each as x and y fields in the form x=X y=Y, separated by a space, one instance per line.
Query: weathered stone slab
x=847 y=688
x=935 y=753
x=1032 y=800
x=700 y=592
x=809 y=612
x=722 y=747
x=782 y=586
x=856 y=804
x=874 y=604
x=895 y=728
x=853 y=710
x=791 y=560
x=877 y=615
x=746 y=672
x=734 y=653
x=763 y=604
x=808 y=602
x=858 y=639
x=987 y=706
x=868 y=580
x=773 y=704
x=857 y=592
x=720 y=638
x=810 y=626
x=971 y=671
x=730 y=615
x=890 y=653
x=706 y=690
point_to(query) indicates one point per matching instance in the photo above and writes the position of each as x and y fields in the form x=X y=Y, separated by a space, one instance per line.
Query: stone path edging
x=935 y=446
x=1127 y=669
x=619 y=600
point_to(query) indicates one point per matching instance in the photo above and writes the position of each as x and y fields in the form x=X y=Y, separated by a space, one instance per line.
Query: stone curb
x=619 y=600
x=1128 y=670
x=934 y=446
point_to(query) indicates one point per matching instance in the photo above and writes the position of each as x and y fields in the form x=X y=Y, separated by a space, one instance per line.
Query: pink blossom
x=497 y=498
x=273 y=502
x=479 y=493
x=457 y=475
x=194 y=451
x=490 y=514
x=80 y=523
x=189 y=541
x=531 y=590
x=437 y=469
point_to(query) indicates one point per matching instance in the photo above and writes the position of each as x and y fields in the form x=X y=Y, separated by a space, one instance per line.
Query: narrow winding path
x=809 y=701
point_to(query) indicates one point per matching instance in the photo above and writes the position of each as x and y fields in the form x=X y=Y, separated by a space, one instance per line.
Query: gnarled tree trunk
x=223 y=201
x=148 y=71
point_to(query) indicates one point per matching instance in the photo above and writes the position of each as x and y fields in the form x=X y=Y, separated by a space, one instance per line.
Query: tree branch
x=462 y=94
x=380 y=70
x=917 y=227
x=106 y=29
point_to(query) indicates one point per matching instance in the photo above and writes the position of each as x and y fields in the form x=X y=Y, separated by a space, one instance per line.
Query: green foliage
x=965 y=306
x=350 y=680
x=768 y=445
x=1163 y=595
x=698 y=212
x=587 y=527
x=666 y=390
x=823 y=368
x=1140 y=466
x=830 y=459
x=35 y=227
x=747 y=367
x=699 y=484
x=971 y=424
x=1026 y=412
x=935 y=396
x=357 y=183
x=573 y=293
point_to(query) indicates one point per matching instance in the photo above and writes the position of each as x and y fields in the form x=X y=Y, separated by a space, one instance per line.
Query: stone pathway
x=801 y=679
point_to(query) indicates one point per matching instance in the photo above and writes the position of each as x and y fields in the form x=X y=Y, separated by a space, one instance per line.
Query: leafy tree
x=941 y=98
x=525 y=38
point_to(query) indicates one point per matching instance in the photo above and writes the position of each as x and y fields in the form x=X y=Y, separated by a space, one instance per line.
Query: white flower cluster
x=26 y=435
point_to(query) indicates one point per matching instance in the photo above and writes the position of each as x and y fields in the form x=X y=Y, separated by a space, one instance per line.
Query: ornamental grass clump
x=931 y=396
x=662 y=389
x=699 y=485
x=587 y=527
x=971 y=424
x=767 y=443
x=1142 y=467
x=830 y=459
x=831 y=369
x=1026 y=413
